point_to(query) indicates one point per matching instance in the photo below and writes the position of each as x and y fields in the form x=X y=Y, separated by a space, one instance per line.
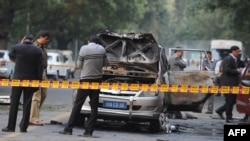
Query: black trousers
x=14 y=103
x=230 y=100
x=80 y=99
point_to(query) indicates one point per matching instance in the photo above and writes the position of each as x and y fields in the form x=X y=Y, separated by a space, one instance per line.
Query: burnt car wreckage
x=137 y=58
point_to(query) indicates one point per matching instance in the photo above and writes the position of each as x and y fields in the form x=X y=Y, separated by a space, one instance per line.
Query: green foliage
x=69 y=20
x=171 y=21
x=236 y=19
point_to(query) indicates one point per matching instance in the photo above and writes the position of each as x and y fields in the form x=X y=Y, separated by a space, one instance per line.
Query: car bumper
x=51 y=72
x=138 y=108
x=4 y=73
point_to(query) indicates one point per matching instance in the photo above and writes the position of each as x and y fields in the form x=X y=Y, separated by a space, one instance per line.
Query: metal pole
x=76 y=49
x=28 y=23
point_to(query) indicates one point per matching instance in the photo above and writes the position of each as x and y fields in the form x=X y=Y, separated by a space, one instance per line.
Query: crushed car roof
x=131 y=51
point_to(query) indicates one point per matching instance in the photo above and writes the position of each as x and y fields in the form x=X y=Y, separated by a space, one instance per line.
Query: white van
x=68 y=56
x=219 y=47
x=56 y=66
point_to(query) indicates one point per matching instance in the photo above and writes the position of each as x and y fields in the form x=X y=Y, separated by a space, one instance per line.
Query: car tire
x=159 y=124
x=11 y=75
x=56 y=77
x=72 y=74
x=66 y=77
x=154 y=126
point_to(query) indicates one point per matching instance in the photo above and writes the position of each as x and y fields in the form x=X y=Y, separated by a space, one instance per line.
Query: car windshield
x=50 y=58
x=218 y=53
x=1 y=54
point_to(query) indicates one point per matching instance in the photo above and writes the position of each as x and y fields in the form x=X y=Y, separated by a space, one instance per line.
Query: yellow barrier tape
x=144 y=87
x=173 y=88
x=35 y=83
x=124 y=86
x=5 y=82
x=134 y=87
x=194 y=89
x=105 y=85
x=115 y=86
x=25 y=83
x=127 y=86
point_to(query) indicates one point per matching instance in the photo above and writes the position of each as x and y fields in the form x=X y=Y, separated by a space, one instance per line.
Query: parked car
x=56 y=66
x=137 y=58
x=6 y=65
x=68 y=56
x=243 y=100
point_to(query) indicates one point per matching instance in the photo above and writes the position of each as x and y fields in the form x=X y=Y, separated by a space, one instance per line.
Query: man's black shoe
x=231 y=118
x=23 y=131
x=229 y=121
x=220 y=114
x=208 y=112
x=6 y=129
x=65 y=132
x=86 y=134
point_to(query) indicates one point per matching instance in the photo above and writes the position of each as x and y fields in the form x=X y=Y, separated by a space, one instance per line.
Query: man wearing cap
x=28 y=66
x=40 y=95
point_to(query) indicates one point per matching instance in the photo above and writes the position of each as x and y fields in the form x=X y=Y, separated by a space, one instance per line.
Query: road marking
x=10 y=135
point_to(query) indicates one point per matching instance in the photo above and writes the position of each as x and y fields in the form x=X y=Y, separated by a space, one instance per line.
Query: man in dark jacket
x=28 y=66
x=230 y=77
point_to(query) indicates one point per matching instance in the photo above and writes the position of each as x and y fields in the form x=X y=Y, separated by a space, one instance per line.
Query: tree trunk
x=63 y=42
x=5 y=22
x=3 y=43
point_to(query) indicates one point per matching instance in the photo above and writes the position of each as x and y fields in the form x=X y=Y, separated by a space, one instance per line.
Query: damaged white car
x=137 y=58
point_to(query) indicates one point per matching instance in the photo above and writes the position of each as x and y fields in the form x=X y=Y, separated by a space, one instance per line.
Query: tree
x=67 y=20
x=7 y=14
x=236 y=21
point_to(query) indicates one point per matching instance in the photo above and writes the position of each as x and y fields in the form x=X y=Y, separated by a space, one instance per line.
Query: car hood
x=130 y=54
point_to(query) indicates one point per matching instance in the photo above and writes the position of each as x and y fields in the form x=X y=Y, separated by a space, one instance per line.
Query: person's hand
x=239 y=70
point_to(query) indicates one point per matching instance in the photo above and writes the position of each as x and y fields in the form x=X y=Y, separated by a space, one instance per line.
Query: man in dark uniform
x=28 y=66
x=230 y=77
x=40 y=95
